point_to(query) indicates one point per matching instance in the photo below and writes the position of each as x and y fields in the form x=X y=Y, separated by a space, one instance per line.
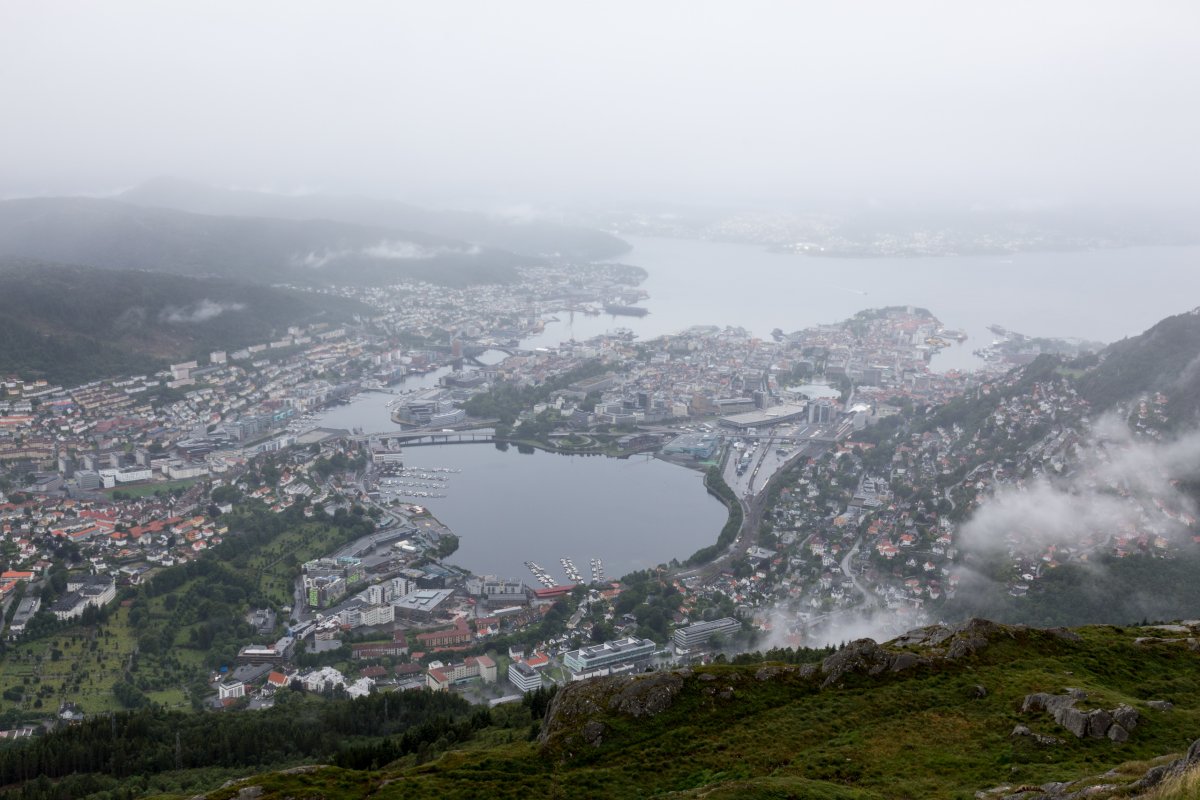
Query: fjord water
x=1101 y=295
x=509 y=507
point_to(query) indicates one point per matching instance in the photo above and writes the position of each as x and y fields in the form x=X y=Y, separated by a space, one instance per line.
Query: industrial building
x=524 y=677
x=498 y=591
x=701 y=633
x=764 y=418
x=621 y=655
x=699 y=446
x=421 y=604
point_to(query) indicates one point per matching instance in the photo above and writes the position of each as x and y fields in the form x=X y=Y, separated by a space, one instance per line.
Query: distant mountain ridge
x=71 y=324
x=118 y=235
x=534 y=238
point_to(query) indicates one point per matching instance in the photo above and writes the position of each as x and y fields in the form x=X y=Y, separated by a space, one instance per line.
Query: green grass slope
x=927 y=720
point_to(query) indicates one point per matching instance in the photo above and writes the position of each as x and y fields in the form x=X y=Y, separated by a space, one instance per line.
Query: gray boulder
x=905 y=661
x=1126 y=716
x=1158 y=774
x=1073 y=720
x=1098 y=723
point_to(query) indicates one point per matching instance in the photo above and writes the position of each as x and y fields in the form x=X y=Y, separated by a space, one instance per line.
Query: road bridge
x=430 y=438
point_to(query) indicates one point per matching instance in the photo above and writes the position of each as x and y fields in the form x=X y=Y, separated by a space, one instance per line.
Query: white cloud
x=198 y=312
x=406 y=251
x=1121 y=485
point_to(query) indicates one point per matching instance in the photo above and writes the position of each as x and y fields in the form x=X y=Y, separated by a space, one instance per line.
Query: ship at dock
x=619 y=310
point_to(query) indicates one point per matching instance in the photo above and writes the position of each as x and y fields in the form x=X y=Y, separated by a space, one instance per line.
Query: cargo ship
x=625 y=311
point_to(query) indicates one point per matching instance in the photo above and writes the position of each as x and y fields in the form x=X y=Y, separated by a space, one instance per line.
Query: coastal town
x=836 y=449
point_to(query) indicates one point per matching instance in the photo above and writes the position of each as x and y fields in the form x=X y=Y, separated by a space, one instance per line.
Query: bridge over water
x=395 y=440
x=472 y=351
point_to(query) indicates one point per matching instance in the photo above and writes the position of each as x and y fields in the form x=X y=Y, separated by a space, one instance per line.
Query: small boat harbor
x=395 y=482
x=572 y=572
x=403 y=483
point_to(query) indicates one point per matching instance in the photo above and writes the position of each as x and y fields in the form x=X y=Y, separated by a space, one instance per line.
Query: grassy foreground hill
x=943 y=712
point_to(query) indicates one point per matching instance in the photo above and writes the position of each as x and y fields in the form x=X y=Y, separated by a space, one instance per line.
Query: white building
x=324 y=678
x=92 y=590
x=379 y=614
x=360 y=688
x=524 y=677
x=231 y=689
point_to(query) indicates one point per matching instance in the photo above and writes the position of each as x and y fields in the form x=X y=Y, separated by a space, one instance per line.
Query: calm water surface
x=509 y=508
x=1102 y=295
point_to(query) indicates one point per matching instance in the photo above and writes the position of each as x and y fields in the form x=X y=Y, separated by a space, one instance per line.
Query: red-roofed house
x=459 y=634
x=537 y=660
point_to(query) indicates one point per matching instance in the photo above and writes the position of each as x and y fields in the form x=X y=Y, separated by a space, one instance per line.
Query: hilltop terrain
x=942 y=712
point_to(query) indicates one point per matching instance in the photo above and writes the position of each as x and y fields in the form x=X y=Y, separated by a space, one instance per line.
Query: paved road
x=848 y=571
x=754 y=507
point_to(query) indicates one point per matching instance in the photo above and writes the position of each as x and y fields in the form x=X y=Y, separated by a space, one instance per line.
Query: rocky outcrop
x=939 y=642
x=1097 y=787
x=577 y=714
x=588 y=714
x=953 y=642
x=1096 y=724
x=646 y=696
x=1157 y=775
x=965 y=637
x=862 y=656
x=1190 y=642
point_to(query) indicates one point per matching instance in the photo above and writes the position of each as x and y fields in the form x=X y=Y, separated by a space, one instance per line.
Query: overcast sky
x=730 y=103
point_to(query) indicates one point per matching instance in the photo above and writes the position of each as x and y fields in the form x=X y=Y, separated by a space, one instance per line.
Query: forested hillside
x=116 y=235
x=1164 y=359
x=72 y=324
x=526 y=236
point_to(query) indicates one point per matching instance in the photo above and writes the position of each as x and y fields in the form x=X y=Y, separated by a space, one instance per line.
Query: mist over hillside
x=1165 y=359
x=117 y=235
x=524 y=235
x=668 y=400
x=69 y=324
